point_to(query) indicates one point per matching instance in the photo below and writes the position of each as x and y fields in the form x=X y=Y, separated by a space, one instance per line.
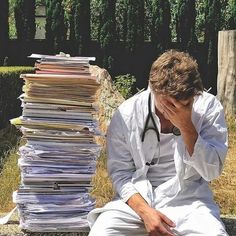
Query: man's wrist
x=139 y=205
x=190 y=136
x=188 y=127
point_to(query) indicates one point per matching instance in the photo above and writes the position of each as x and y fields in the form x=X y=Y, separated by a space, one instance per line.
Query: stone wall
x=108 y=98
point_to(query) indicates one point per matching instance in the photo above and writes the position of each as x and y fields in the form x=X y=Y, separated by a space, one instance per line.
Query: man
x=164 y=146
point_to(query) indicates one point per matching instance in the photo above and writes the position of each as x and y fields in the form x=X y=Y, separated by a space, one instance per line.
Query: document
x=60 y=124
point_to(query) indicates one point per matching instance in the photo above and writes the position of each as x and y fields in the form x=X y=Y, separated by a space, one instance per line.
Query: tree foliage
x=107 y=32
x=4 y=29
x=232 y=15
x=185 y=24
x=134 y=37
x=160 y=25
x=25 y=19
x=121 y=19
x=82 y=25
x=227 y=6
x=69 y=15
x=212 y=26
x=95 y=7
x=55 y=24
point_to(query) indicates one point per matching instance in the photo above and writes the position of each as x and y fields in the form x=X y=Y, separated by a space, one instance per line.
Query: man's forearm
x=138 y=204
x=155 y=222
x=190 y=137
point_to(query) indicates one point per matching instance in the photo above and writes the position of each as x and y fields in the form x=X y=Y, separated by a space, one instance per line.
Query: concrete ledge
x=230 y=224
x=12 y=228
x=229 y=221
x=53 y=234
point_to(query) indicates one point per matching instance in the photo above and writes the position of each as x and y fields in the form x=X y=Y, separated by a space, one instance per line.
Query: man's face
x=161 y=98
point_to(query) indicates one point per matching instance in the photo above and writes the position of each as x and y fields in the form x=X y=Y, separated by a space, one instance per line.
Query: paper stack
x=59 y=158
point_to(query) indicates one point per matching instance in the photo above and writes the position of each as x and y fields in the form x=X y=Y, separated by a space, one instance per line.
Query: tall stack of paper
x=59 y=158
x=61 y=64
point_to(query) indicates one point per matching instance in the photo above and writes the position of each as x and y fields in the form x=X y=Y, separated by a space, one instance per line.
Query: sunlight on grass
x=9 y=137
x=224 y=188
x=102 y=186
x=9 y=180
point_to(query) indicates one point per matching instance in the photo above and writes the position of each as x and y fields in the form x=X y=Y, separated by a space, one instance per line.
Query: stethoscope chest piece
x=176 y=131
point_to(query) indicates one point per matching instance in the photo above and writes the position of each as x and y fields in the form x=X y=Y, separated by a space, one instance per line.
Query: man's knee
x=114 y=222
x=103 y=224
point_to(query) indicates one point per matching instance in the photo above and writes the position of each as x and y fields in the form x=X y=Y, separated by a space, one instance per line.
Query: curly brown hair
x=175 y=74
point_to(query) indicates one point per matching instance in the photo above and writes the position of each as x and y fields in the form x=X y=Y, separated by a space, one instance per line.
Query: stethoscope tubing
x=175 y=130
x=150 y=116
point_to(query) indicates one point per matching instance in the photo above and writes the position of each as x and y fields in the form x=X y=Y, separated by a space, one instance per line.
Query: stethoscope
x=175 y=130
x=150 y=117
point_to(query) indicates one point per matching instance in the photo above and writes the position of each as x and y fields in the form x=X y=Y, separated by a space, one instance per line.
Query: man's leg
x=113 y=223
x=202 y=223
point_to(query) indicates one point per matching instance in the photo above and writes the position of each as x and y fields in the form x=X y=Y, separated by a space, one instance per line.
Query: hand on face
x=178 y=112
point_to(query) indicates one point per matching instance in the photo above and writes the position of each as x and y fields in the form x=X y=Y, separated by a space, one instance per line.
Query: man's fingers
x=175 y=102
x=165 y=231
x=168 y=107
x=167 y=220
x=162 y=231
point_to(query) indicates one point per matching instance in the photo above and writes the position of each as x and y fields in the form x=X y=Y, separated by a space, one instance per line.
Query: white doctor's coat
x=128 y=155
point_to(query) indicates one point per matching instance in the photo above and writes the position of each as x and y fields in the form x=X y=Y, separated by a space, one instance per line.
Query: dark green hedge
x=10 y=90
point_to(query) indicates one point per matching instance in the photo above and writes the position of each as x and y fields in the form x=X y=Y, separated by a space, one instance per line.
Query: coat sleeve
x=120 y=163
x=212 y=143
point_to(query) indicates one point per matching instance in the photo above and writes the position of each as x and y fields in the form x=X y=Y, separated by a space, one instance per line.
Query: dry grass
x=9 y=181
x=102 y=186
x=224 y=187
x=9 y=137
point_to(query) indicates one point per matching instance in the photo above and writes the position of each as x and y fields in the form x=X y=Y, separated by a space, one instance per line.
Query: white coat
x=188 y=190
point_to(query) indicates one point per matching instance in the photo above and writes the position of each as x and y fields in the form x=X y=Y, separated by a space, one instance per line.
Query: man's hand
x=155 y=222
x=179 y=113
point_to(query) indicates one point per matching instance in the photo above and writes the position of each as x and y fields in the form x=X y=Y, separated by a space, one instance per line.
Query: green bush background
x=10 y=106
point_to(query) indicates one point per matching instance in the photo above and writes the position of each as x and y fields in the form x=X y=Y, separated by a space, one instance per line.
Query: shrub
x=10 y=90
x=124 y=84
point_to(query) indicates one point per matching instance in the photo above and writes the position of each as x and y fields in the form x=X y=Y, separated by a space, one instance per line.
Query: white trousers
x=119 y=223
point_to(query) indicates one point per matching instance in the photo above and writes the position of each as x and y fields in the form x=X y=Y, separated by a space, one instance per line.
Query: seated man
x=164 y=146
